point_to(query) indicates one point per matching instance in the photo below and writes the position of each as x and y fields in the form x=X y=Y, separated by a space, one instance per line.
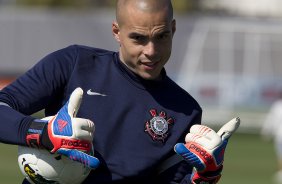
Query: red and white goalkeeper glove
x=66 y=134
x=204 y=150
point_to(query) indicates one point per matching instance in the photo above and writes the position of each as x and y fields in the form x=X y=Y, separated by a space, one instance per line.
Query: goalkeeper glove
x=204 y=150
x=65 y=134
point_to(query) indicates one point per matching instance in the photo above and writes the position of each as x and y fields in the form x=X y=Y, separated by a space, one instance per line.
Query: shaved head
x=147 y=6
x=144 y=30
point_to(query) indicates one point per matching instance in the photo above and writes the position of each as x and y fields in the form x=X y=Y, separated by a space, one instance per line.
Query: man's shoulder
x=177 y=88
x=90 y=50
x=81 y=55
x=181 y=95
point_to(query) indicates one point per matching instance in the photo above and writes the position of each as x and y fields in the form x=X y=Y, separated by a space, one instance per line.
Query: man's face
x=145 y=42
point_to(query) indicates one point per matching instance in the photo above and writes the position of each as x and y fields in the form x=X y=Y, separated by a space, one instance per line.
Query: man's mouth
x=150 y=65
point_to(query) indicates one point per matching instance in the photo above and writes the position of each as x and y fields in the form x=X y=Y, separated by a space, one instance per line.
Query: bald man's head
x=147 y=6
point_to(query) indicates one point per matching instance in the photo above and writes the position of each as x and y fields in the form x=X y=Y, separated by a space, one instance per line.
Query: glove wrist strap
x=37 y=135
x=210 y=177
x=198 y=179
x=34 y=133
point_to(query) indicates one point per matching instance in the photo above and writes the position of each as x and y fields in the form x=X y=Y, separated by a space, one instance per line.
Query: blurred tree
x=185 y=5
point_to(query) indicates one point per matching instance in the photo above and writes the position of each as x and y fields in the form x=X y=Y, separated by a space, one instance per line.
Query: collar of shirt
x=136 y=79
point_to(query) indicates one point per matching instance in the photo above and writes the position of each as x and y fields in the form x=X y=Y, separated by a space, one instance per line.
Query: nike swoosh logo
x=90 y=92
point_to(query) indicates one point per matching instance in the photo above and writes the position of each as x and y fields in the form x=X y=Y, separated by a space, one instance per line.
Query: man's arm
x=35 y=90
x=63 y=133
x=14 y=125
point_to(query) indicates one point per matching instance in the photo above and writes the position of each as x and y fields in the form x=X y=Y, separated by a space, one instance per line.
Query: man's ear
x=115 y=31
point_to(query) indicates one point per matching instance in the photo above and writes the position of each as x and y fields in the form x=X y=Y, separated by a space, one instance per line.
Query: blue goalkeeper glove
x=204 y=150
x=66 y=134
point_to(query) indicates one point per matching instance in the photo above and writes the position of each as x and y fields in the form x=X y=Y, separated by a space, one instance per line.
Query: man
x=271 y=129
x=139 y=112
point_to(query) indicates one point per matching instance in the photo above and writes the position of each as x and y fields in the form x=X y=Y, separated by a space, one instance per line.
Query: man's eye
x=139 y=38
x=162 y=37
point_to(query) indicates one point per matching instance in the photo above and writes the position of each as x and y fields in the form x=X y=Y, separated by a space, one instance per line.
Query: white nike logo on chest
x=90 y=92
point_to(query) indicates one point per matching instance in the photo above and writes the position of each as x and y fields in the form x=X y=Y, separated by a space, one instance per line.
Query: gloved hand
x=204 y=150
x=66 y=134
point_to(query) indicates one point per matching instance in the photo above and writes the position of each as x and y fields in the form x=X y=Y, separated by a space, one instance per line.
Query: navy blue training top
x=137 y=122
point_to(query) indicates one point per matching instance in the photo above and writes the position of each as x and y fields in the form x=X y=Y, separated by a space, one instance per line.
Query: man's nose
x=150 y=49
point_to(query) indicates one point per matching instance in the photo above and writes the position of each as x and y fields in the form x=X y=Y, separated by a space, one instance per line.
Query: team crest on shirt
x=158 y=126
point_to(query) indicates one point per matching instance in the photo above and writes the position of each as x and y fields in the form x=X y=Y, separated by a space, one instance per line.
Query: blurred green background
x=248 y=160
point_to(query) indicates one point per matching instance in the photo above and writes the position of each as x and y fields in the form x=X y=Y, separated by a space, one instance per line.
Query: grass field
x=249 y=160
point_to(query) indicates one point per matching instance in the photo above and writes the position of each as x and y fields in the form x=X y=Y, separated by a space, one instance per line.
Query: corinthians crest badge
x=158 y=126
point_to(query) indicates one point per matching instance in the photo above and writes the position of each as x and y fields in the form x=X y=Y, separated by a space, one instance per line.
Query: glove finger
x=83 y=129
x=229 y=128
x=74 y=102
x=200 y=130
x=85 y=124
x=204 y=136
x=79 y=156
x=210 y=140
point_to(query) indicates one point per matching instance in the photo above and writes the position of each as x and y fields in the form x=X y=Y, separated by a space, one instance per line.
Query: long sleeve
x=39 y=88
x=15 y=128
